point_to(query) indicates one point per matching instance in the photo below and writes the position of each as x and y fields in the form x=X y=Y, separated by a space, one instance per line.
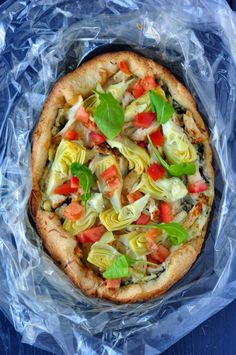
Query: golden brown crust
x=62 y=247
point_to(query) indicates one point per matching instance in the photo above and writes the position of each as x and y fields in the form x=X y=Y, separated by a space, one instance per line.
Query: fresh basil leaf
x=182 y=169
x=119 y=268
x=85 y=177
x=174 y=169
x=177 y=234
x=108 y=115
x=161 y=107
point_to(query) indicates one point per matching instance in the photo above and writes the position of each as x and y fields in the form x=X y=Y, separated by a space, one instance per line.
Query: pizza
x=122 y=177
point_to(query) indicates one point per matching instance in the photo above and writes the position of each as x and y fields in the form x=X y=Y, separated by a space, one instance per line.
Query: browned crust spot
x=61 y=246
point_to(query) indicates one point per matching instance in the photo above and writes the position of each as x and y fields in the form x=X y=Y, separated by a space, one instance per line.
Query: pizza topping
x=170 y=189
x=156 y=171
x=65 y=189
x=111 y=177
x=198 y=186
x=85 y=179
x=157 y=138
x=143 y=219
x=71 y=135
x=159 y=254
x=123 y=67
x=91 y=235
x=142 y=85
x=115 y=221
x=82 y=115
x=97 y=138
x=67 y=152
x=108 y=115
x=177 y=234
x=144 y=119
x=166 y=212
x=102 y=255
x=136 y=156
x=74 y=182
x=177 y=147
x=73 y=211
x=115 y=283
x=134 y=196
x=159 y=105
x=174 y=169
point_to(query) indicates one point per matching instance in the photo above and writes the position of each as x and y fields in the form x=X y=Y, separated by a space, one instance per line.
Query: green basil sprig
x=177 y=234
x=108 y=115
x=85 y=177
x=174 y=169
x=120 y=267
x=161 y=107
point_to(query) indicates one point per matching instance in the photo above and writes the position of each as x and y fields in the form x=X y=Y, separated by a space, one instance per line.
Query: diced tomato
x=156 y=171
x=97 y=138
x=115 y=283
x=65 y=189
x=166 y=212
x=71 y=135
x=111 y=177
x=198 y=186
x=143 y=144
x=123 y=67
x=143 y=219
x=149 y=83
x=137 y=89
x=74 y=182
x=134 y=196
x=151 y=260
x=157 y=138
x=160 y=254
x=144 y=119
x=82 y=115
x=91 y=235
x=142 y=85
x=151 y=236
x=73 y=211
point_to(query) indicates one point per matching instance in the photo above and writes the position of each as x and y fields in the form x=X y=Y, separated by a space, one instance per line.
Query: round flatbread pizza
x=123 y=182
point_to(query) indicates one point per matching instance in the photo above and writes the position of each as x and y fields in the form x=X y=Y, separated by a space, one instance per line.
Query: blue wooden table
x=215 y=336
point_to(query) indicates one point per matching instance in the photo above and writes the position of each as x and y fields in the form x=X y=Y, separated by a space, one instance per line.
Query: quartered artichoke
x=102 y=255
x=97 y=166
x=137 y=157
x=171 y=189
x=115 y=221
x=136 y=242
x=177 y=146
x=67 y=153
x=85 y=222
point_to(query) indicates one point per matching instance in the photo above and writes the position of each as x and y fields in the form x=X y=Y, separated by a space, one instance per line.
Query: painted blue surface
x=215 y=336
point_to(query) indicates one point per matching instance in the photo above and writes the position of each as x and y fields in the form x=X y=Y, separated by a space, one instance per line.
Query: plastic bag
x=40 y=42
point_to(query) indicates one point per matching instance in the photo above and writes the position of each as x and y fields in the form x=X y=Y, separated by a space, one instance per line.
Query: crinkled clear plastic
x=41 y=41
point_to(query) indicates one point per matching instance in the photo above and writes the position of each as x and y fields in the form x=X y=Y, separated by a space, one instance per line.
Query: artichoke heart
x=67 y=153
x=136 y=242
x=117 y=90
x=107 y=237
x=87 y=221
x=102 y=255
x=136 y=156
x=177 y=146
x=171 y=189
x=141 y=104
x=115 y=221
x=97 y=166
x=96 y=202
